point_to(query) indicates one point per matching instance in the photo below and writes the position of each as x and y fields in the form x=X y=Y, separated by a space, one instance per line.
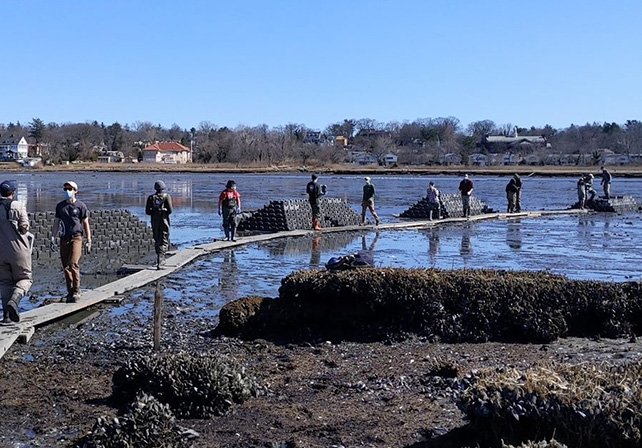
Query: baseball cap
x=7 y=187
x=314 y=176
x=72 y=184
x=367 y=179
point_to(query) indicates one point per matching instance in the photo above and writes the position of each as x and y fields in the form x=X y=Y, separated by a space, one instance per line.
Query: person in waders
x=15 y=256
x=466 y=187
x=229 y=204
x=159 y=207
x=315 y=191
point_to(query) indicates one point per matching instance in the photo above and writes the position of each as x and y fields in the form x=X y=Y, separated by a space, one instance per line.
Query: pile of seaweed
x=373 y=304
x=146 y=423
x=158 y=388
x=588 y=406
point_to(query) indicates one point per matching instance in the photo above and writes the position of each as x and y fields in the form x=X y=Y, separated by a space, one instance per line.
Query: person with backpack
x=15 y=256
x=511 y=195
x=315 y=191
x=71 y=223
x=159 y=207
x=229 y=204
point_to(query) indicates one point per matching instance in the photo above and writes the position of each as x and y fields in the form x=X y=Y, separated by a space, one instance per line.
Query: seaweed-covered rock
x=454 y=306
x=588 y=406
x=194 y=386
x=235 y=315
x=147 y=424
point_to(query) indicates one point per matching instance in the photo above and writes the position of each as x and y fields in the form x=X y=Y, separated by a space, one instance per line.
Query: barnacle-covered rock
x=147 y=424
x=597 y=405
x=194 y=386
x=454 y=306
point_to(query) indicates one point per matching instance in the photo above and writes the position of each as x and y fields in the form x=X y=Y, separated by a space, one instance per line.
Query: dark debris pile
x=148 y=423
x=193 y=386
x=588 y=406
x=374 y=304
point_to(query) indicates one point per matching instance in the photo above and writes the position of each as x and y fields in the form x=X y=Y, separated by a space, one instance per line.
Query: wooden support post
x=158 y=309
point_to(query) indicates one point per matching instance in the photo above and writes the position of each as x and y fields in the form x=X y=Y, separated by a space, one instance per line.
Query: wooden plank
x=26 y=335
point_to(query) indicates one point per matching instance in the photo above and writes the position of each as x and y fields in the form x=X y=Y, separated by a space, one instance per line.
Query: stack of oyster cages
x=296 y=214
x=451 y=207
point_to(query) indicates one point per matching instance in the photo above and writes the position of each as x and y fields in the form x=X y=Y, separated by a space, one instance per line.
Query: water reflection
x=315 y=252
x=514 y=233
x=466 y=247
x=229 y=281
x=433 y=246
x=585 y=227
x=369 y=249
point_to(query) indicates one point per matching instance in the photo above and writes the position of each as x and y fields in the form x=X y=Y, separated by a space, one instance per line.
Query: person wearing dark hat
x=229 y=203
x=314 y=191
x=71 y=223
x=367 y=202
x=518 y=195
x=15 y=256
x=606 y=183
x=511 y=195
x=159 y=207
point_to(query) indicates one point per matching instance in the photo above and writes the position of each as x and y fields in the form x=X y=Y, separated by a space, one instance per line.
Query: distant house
x=511 y=159
x=532 y=159
x=389 y=159
x=478 y=159
x=362 y=158
x=616 y=159
x=111 y=157
x=167 y=152
x=312 y=137
x=341 y=141
x=450 y=159
x=13 y=148
x=521 y=143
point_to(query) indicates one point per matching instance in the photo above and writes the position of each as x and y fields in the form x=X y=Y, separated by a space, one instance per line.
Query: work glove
x=52 y=244
x=219 y=213
x=88 y=246
x=238 y=210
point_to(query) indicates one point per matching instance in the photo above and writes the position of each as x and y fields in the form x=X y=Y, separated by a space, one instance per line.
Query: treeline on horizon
x=422 y=141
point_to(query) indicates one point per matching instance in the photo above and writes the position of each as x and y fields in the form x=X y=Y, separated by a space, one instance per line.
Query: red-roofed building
x=167 y=152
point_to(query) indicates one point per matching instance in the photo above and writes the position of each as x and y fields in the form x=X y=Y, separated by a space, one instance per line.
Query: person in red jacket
x=229 y=204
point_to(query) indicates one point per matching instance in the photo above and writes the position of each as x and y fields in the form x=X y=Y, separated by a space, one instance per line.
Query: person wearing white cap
x=15 y=256
x=71 y=224
x=367 y=202
x=466 y=189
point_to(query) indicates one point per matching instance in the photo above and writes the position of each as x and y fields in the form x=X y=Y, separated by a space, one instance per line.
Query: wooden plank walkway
x=29 y=320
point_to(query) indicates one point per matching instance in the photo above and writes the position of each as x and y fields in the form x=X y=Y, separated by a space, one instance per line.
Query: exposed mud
x=313 y=395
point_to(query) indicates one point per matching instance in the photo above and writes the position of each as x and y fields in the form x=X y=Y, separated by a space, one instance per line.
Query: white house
x=13 y=148
x=450 y=159
x=167 y=152
x=389 y=159
x=511 y=159
x=616 y=159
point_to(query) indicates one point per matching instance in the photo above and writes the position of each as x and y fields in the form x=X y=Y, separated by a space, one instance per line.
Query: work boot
x=12 y=306
x=232 y=232
x=5 y=317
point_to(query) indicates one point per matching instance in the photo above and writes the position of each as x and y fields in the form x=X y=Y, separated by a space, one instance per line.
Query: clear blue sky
x=527 y=63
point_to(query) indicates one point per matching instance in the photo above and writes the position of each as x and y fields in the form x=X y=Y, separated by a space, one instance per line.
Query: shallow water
x=598 y=246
